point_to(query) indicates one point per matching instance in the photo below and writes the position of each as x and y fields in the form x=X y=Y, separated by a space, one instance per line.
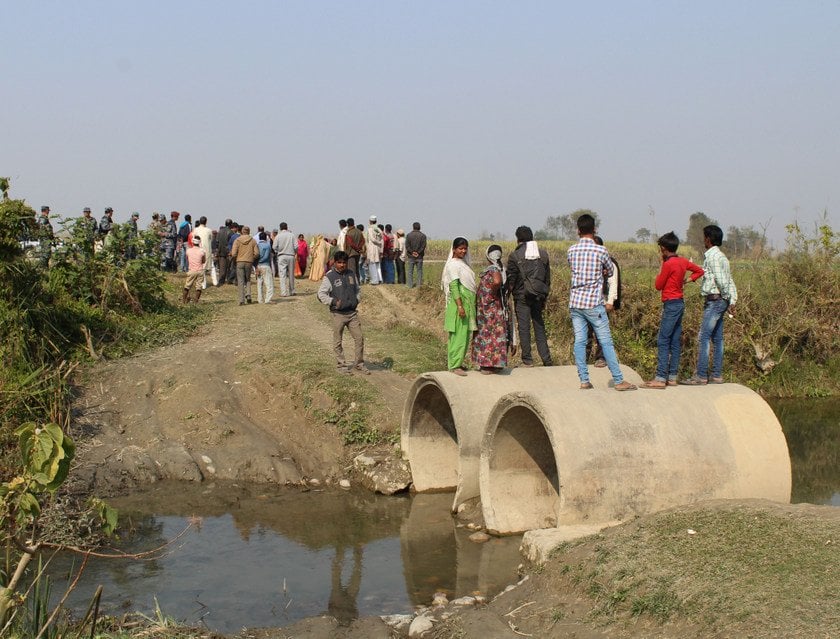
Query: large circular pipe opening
x=523 y=482
x=434 y=440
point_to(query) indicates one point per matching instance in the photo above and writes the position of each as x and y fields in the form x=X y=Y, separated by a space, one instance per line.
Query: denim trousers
x=596 y=317
x=711 y=334
x=669 y=342
x=414 y=262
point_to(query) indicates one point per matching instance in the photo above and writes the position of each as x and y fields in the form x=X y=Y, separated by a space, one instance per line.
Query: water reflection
x=812 y=430
x=261 y=558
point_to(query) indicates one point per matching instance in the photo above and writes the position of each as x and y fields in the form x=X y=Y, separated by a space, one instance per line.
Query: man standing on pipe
x=590 y=263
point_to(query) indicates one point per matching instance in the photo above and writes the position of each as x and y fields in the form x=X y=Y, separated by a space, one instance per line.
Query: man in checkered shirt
x=590 y=263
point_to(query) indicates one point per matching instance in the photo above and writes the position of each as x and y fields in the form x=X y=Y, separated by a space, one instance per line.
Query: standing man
x=245 y=252
x=170 y=237
x=374 y=243
x=389 y=240
x=415 y=249
x=107 y=222
x=182 y=244
x=354 y=245
x=132 y=236
x=342 y=233
x=285 y=246
x=44 y=231
x=196 y=258
x=87 y=230
x=720 y=294
x=340 y=291
x=529 y=281
x=224 y=260
x=203 y=231
x=399 y=256
x=590 y=263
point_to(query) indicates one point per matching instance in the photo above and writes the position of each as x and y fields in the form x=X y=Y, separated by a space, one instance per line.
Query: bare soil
x=220 y=406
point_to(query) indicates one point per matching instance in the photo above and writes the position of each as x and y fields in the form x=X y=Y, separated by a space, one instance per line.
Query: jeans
x=711 y=332
x=528 y=311
x=387 y=271
x=415 y=262
x=668 y=343
x=596 y=317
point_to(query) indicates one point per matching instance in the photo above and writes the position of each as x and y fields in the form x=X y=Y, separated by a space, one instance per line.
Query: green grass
x=743 y=567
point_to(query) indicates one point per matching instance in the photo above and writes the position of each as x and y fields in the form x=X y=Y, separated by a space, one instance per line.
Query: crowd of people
x=481 y=310
x=487 y=317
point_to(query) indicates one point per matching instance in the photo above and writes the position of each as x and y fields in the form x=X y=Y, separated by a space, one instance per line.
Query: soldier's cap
x=44 y=209
x=196 y=240
x=175 y=214
x=86 y=209
x=109 y=210
x=135 y=214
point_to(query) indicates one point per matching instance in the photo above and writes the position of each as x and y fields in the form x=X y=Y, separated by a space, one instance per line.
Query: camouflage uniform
x=170 y=235
x=45 y=236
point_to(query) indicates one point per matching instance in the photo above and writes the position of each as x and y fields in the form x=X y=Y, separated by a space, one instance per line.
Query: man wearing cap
x=131 y=236
x=206 y=234
x=285 y=247
x=45 y=236
x=170 y=236
x=374 y=243
x=87 y=230
x=196 y=260
x=106 y=222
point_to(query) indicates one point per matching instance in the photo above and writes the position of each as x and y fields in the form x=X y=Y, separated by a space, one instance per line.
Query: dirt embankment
x=218 y=405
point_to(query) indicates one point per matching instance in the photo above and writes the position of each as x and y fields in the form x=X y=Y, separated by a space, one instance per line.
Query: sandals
x=586 y=386
x=657 y=384
x=694 y=381
x=460 y=372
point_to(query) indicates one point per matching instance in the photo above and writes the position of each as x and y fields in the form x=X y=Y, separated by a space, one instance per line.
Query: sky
x=469 y=117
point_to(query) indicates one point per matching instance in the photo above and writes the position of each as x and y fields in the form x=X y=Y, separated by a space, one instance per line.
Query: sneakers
x=694 y=381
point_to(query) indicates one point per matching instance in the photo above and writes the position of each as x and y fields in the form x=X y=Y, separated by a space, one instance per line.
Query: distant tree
x=743 y=241
x=564 y=227
x=694 y=234
x=644 y=235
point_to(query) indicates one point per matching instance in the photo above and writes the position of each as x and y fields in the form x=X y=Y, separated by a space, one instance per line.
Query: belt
x=713 y=297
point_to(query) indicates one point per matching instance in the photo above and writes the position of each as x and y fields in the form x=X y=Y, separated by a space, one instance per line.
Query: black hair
x=351 y=222
x=670 y=242
x=494 y=247
x=263 y=237
x=388 y=228
x=714 y=233
x=340 y=256
x=284 y=226
x=342 y=224
x=598 y=240
x=459 y=241
x=586 y=224
x=524 y=234
x=416 y=226
x=202 y=220
x=188 y=217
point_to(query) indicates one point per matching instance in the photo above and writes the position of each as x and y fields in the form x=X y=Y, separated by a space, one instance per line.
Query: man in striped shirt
x=719 y=292
x=590 y=263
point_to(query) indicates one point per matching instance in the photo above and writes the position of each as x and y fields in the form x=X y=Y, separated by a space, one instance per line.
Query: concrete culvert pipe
x=445 y=417
x=554 y=457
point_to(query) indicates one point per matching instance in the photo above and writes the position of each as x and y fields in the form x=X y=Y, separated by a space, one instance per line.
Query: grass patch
x=743 y=567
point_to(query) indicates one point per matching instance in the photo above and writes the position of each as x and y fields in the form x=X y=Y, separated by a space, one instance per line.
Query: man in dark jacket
x=222 y=240
x=529 y=281
x=340 y=291
x=415 y=249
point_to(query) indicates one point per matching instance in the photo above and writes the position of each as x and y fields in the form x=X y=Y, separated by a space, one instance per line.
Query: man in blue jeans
x=590 y=263
x=720 y=295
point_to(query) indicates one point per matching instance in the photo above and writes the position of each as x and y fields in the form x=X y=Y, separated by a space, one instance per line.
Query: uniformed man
x=45 y=236
x=170 y=235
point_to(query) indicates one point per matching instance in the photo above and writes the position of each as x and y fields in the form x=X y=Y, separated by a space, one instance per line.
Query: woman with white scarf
x=459 y=286
x=490 y=342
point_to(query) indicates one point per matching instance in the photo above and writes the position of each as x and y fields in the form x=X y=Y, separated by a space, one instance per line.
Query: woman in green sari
x=459 y=286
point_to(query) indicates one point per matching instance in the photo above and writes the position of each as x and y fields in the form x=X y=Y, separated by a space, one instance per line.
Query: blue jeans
x=387 y=271
x=596 y=317
x=711 y=332
x=669 y=346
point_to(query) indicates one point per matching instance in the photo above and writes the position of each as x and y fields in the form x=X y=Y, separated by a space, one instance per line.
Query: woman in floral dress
x=490 y=343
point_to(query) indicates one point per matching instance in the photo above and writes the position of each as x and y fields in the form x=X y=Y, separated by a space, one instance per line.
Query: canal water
x=259 y=556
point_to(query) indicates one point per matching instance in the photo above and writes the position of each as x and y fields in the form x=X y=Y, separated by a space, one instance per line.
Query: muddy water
x=262 y=557
x=259 y=557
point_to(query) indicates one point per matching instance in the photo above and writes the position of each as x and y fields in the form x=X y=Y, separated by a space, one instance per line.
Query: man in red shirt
x=670 y=281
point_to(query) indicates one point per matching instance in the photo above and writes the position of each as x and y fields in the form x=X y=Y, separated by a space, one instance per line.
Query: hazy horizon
x=468 y=117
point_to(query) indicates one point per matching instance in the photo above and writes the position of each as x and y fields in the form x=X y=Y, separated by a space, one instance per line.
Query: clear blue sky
x=465 y=116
